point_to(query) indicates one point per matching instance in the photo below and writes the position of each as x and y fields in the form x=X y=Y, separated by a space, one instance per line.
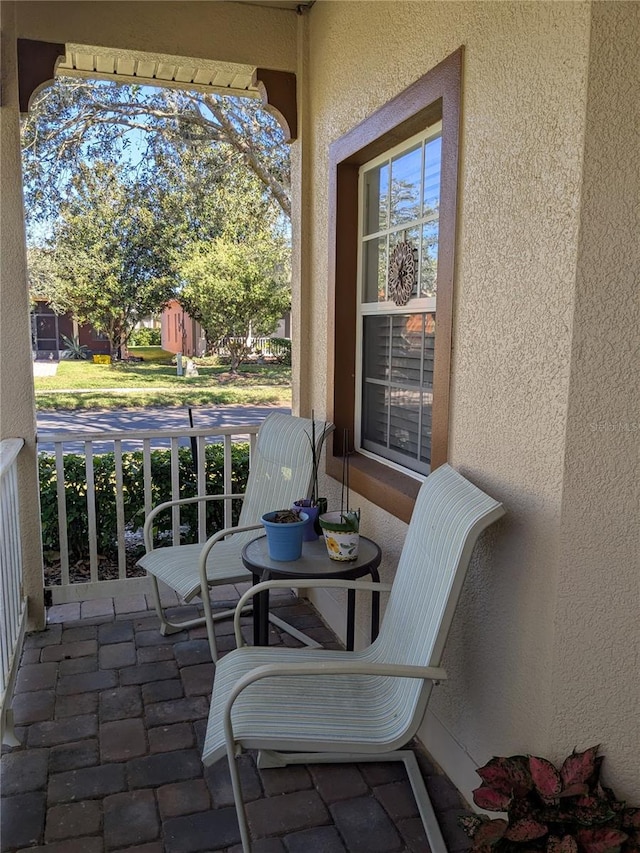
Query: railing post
x=93 y=444
x=13 y=604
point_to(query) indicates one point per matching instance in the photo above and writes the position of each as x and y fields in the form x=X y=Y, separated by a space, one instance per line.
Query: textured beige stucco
x=17 y=411
x=229 y=32
x=513 y=670
x=596 y=674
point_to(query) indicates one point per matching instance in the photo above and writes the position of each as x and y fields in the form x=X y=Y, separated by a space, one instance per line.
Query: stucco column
x=17 y=407
x=596 y=683
x=301 y=297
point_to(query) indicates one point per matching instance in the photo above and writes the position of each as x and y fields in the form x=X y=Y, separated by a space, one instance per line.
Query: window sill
x=389 y=489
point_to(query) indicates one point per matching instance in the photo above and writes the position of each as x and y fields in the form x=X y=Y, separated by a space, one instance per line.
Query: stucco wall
x=596 y=676
x=229 y=32
x=525 y=80
x=17 y=412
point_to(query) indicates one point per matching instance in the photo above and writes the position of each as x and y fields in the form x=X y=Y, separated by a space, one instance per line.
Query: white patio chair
x=309 y=706
x=281 y=473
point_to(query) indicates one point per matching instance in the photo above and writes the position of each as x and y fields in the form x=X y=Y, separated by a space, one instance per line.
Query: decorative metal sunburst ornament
x=402 y=273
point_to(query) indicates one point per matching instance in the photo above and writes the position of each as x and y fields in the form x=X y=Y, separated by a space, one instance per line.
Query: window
x=398 y=218
x=388 y=364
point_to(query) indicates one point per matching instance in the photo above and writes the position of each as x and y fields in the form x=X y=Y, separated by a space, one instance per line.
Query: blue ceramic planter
x=284 y=541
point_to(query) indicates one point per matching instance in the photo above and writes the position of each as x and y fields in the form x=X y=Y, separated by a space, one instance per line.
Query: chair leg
x=245 y=838
x=167 y=627
x=272 y=758
x=210 y=617
x=289 y=629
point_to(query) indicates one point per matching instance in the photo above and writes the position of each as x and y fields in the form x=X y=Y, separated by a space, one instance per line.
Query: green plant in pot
x=555 y=811
x=341 y=528
x=314 y=506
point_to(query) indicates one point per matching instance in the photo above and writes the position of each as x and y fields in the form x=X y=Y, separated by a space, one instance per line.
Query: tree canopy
x=113 y=252
x=159 y=192
x=75 y=120
x=236 y=289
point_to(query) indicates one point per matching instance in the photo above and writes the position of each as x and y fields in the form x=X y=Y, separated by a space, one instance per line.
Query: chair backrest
x=449 y=515
x=281 y=465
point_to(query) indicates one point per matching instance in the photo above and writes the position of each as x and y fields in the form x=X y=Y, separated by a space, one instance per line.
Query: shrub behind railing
x=145 y=338
x=133 y=495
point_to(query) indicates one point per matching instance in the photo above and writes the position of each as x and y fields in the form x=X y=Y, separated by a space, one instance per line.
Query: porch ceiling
x=157 y=70
x=164 y=70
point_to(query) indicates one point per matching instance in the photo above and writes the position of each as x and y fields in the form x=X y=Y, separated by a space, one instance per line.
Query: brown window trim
x=434 y=96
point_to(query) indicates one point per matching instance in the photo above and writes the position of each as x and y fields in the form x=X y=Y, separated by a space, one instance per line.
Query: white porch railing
x=13 y=605
x=119 y=442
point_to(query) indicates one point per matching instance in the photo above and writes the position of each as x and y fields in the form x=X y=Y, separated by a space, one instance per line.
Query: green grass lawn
x=155 y=383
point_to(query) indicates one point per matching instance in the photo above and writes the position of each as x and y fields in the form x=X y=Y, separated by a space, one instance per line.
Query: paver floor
x=111 y=717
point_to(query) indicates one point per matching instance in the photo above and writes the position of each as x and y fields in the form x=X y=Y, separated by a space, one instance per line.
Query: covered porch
x=540 y=399
x=112 y=716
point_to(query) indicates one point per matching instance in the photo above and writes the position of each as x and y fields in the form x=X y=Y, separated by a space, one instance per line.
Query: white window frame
x=415 y=305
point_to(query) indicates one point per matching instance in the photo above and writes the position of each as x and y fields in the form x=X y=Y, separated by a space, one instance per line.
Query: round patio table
x=314 y=563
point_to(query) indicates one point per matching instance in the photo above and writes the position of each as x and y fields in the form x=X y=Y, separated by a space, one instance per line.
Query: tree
x=74 y=121
x=113 y=251
x=236 y=289
x=42 y=276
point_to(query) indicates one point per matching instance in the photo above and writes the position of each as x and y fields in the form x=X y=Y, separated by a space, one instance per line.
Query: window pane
x=432 y=169
x=406 y=353
x=375 y=270
x=374 y=413
x=405 y=186
x=429 y=261
x=375 y=348
x=376 y=199
x=404 y=421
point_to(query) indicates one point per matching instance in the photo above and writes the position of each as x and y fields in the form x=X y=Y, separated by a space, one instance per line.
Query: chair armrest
x=319 y=668
x=300 y=583
x=212 y=540
x=148 y=539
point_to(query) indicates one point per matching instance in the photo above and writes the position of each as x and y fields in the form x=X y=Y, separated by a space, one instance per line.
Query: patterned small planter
x=341 y=534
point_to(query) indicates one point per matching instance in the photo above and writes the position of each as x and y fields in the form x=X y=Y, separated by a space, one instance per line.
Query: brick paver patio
x=111 y=718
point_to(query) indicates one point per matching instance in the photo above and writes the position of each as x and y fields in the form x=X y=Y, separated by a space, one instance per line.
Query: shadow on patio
x=111 y=716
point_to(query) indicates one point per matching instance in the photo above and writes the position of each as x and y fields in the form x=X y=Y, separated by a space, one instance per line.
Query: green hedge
x=133 y=493
x=144 y=338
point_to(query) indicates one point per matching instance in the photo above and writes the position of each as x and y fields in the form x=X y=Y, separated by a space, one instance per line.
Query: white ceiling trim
x=205 y=75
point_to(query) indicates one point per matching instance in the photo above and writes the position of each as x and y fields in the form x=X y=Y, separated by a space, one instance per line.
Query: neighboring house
x=520 y=201
x=48 y=329
x=179 y=332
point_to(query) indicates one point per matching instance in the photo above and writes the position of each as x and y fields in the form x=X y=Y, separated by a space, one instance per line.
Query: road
x=145 y=419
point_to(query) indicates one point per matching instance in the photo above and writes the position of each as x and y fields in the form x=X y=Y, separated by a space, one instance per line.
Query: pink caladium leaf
x=545 y=777
x=526 y=829
x=507 y=775
x=601 y=840
x=577 y=790
x=491 y=800
x=491 y=832
x=591 y=810
x=579 y=767
x=561 y=845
